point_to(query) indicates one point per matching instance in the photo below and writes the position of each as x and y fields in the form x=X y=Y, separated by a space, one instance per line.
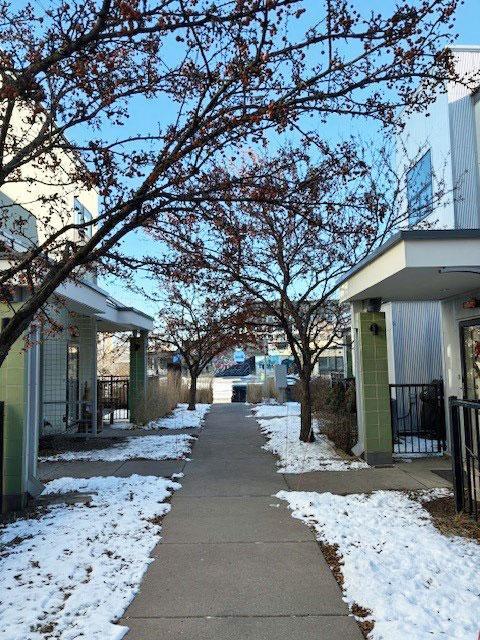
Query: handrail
x=465 y=435
x=463 y=402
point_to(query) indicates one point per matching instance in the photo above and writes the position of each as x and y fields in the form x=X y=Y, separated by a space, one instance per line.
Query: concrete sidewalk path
x=233 y=564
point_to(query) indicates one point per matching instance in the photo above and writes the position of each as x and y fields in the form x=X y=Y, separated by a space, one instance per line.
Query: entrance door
x=471 y=359
x=73 y=384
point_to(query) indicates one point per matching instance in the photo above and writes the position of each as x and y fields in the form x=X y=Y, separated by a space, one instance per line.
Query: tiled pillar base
x=375 y=389
x=138 y=376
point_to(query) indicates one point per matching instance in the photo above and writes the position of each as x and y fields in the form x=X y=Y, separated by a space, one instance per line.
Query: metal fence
x=465 y=445
x=113 y=399
x=418 y=418
x=74 y=416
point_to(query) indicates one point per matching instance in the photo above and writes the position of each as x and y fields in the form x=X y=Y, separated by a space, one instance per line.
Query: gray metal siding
x=464 y=144
x=417 y=342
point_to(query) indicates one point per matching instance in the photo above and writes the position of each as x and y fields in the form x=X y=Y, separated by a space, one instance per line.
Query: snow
x=417 y=583
x=181 y=418
x=73 y=571
x=122 y=424
x=277 y=410
x=295 y=456
x=421 y=447
x=141 y=447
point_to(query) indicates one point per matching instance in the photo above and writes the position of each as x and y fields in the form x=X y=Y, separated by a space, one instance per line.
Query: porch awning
x=89 y=299
x=118 y=317
x=418 y=265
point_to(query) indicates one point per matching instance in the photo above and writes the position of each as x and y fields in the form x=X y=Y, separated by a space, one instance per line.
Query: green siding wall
x=13 y=394
x=138 y=376
x=375 y=389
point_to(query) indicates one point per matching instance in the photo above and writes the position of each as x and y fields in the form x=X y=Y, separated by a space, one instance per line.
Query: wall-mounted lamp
x=374 y=328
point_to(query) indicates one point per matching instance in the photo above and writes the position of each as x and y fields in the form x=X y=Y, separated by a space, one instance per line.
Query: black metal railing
x=113 y=397
x=418 y=418
x=337 y=379
x=465 y=445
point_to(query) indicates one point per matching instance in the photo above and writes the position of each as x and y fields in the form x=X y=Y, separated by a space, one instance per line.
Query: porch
x=52 y=386
x=74 y=397
x=418 y=267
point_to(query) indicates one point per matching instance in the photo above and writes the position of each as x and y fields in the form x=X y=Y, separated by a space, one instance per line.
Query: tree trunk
x=192 y=395
x=306 y=423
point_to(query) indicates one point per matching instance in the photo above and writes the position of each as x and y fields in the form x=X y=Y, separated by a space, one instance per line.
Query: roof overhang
x=89 y=299
x=418 y=265
x=82 y=297
x=120 y=318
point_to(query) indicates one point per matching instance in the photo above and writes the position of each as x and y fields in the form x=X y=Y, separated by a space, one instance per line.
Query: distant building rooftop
x=242 y=369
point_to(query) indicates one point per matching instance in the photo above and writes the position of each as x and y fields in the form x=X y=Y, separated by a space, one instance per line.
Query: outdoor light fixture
x=374 y=328
x=374 y=304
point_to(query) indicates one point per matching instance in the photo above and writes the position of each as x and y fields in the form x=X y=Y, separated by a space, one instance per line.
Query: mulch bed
x=449 y=522
x=61 y=443
x=335 y=563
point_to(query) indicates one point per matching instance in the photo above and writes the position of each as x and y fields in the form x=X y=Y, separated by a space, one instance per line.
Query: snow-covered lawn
x=142 y=447
x=418 y=583
x=123 y=425
x=295 y=456
x=181 y=418
x=73 y=571
x=277 y=410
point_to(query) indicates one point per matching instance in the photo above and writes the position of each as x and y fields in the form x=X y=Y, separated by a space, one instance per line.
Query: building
x=276 y=350
x=415 y=302
x=50 y=385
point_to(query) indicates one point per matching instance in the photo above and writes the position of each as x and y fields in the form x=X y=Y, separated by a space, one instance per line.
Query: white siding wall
x=430 y=130
x=452 y=314
x=447 y=128
x=222 y=390
x=50 y=179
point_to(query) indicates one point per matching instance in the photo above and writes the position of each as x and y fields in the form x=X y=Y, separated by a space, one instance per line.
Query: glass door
x=471 y=360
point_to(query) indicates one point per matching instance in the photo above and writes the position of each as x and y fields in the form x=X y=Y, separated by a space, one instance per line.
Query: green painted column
x=375 y=392
x=13 y=392
x=138 y=376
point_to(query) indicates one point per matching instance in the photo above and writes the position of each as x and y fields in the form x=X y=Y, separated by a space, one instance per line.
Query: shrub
x=204 y=390
x=160 y=400
x=256 y=391
x=335 y=406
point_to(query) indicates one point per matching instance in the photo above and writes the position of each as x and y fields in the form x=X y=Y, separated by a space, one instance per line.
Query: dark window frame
x=82 y=215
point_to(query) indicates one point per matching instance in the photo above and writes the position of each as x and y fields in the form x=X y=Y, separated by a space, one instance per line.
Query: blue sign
x=239 y=356
x=176 y=359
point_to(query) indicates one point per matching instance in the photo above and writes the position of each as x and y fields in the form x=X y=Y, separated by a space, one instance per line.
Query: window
x=330 y=363
x=419 y=189
x=82 y=215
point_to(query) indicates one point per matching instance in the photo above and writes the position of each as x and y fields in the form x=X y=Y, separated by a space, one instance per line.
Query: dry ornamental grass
x=163 y=396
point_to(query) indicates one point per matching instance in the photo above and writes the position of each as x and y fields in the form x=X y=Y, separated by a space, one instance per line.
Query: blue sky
x=468 y=29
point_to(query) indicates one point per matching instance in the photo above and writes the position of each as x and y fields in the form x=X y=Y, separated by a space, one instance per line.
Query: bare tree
x=223 y=76
x=201 y=321
x=327 y=215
